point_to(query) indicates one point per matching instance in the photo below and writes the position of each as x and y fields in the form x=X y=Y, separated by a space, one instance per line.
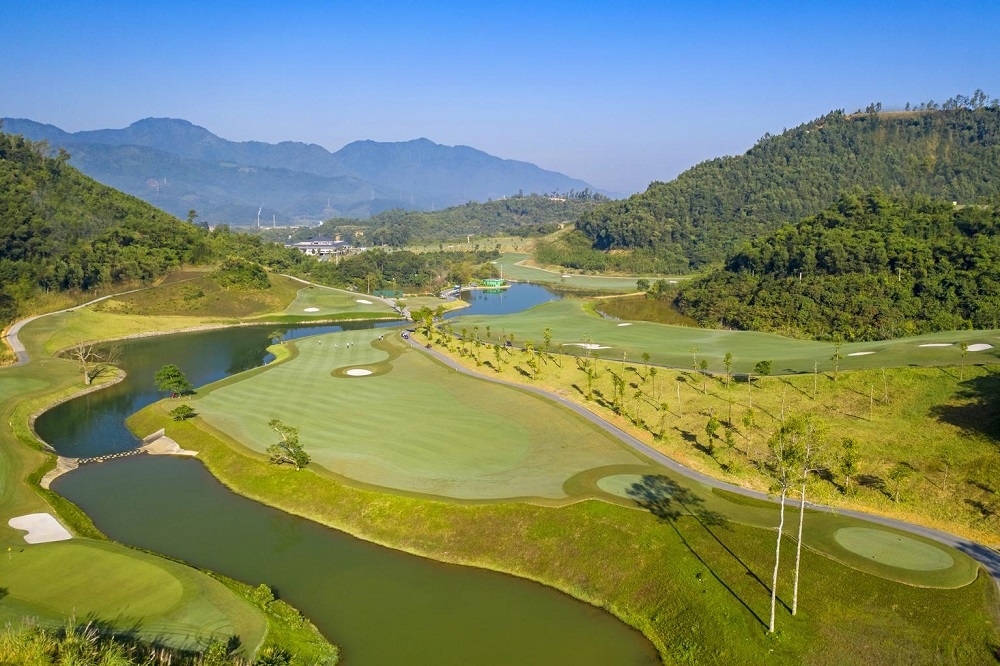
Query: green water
x=380 y=605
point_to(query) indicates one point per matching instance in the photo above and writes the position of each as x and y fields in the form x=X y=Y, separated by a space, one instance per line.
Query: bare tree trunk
x=798 y=546
x=777 y=558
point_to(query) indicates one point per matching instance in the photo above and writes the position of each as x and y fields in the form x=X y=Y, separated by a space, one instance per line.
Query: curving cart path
x=987 y=557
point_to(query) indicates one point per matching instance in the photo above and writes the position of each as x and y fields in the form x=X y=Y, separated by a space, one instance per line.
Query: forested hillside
x=61 y=230
x=869 y=267
x=521 y=215
x=951 y=152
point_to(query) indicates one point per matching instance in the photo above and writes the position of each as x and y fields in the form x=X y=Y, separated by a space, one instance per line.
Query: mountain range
x=178 y=166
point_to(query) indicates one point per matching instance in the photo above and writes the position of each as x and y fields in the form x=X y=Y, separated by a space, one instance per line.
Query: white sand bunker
x=40 y=528
x=625 y=324
x=358 y=372
x=585 y=345
x=979 y=346
x=311 y=310
x=937 y=344
x=861 y=353
x=364 y=302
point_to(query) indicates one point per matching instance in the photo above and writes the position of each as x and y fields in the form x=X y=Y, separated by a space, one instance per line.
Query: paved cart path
x=987 y=557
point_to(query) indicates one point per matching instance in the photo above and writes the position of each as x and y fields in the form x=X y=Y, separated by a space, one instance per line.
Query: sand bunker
x=311 y=310
x=358 y=372
x=585 y=345
x=625 y=324
x=979 y=346
x=364 y=302
x=937 y=344
x=40 y=528
x=861 y=353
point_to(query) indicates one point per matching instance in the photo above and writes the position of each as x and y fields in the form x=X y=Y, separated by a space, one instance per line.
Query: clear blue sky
x=618 y=94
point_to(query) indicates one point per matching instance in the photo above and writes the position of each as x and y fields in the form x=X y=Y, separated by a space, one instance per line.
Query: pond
x=519 y=296
x=382 y=606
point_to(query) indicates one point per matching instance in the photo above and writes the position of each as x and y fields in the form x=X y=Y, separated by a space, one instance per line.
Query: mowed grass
x=573 y=322
x=129 y=589
x=939 y=425
x=514 y=268
x=412 y=425
x=327 y=301
x=698 y=589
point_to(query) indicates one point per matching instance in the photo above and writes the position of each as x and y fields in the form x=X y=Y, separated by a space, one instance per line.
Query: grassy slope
x=940 y=421
x=694 y=588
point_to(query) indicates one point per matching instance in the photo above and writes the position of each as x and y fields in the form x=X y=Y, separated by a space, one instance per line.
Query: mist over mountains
x=178 y=166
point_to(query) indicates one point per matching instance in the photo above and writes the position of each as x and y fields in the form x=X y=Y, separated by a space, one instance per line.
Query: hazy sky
x=616 y=93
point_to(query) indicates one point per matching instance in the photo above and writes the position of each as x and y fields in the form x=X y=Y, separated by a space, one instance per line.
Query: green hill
x=523 y=215
x=951 y=153
x=60 y=230
x=869 y=267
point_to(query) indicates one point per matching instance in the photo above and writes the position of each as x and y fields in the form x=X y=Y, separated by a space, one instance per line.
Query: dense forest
x=60 y=230
x=869 y=267
x=951 y=151
x=520 y=215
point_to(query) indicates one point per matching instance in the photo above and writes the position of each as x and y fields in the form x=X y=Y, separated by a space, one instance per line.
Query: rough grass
x=200 y=296
x=694 y=587
x=943 y=429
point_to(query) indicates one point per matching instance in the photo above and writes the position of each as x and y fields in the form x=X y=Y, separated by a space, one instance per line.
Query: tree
x=712 y=429
x=288 y=450
x=811 y=441
x=547 y=338
x=703 y=368
x=849 y=458
x=898 y=476
x=182 y=412
x=192 y=216
x=837 y=356
x=170 y=378
x=727 y=361
x=642 y=284
x=965 y=350
x=93 y=360
x=762 y=368
x=785 y=454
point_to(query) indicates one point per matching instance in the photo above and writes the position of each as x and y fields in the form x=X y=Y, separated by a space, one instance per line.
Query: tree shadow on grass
x=668 y=501
x=979 y=411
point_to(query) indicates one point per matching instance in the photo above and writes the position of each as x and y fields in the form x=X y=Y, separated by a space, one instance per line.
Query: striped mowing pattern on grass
x=418 y=427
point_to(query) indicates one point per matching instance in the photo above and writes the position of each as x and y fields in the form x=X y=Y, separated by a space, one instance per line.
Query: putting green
x=892 y=549
x=413 y=424
x=129 y=589
x=317 y=301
